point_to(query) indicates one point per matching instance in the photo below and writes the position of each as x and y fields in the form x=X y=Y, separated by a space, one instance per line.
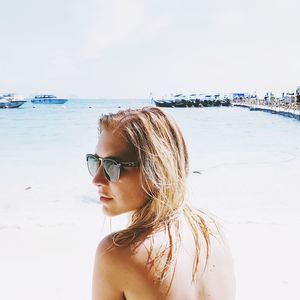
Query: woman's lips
x=105 y=199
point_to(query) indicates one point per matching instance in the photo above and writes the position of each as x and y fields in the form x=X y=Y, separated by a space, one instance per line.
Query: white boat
x=48 y=99
x=11 y=101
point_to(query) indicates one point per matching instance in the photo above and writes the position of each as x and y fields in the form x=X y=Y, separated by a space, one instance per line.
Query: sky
x=131 y=48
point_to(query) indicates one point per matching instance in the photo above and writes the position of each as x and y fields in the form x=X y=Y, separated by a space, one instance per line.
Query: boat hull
x=162 y=103
x=49 y=101
x=190 y=103
x=12 y=104
x=180 y=103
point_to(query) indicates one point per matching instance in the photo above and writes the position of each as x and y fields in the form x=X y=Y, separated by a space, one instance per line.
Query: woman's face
x=125 y=195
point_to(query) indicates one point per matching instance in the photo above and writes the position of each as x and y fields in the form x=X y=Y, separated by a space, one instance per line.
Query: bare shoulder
x=107 y=252
x=120 y=273
x=218 y=277
x=111 y=256
x=108 y=277
x=106 y=246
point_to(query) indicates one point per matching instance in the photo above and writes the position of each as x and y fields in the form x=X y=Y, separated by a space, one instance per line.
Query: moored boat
x=195 y=100
x=182 y=100
x=48 y=99
x=11 y=101
x=164 y=103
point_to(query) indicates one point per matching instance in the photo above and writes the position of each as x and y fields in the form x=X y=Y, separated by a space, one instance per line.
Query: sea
x=240 y=159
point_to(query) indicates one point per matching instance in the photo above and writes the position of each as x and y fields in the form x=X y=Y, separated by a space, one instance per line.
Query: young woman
x=169 y=250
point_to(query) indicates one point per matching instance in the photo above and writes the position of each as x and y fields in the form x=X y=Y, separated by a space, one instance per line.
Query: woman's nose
x=100 y=178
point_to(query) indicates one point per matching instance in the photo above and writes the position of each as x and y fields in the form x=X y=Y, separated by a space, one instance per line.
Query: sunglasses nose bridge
x=100 y=175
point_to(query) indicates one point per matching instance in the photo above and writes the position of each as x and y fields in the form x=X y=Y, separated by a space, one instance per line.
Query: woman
x=169 y=250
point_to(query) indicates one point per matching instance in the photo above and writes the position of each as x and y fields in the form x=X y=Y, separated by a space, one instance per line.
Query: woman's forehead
x=113 y=144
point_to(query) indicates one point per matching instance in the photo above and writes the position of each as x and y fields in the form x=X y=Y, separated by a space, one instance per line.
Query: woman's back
x=134 y=274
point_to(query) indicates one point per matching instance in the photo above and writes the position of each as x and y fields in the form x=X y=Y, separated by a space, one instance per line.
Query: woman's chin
x=110 y=212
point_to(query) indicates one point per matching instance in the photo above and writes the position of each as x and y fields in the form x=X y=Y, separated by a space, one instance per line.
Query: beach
x=245 y=170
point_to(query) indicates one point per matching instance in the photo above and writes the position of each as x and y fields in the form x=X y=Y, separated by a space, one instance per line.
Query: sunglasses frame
x=100 y=160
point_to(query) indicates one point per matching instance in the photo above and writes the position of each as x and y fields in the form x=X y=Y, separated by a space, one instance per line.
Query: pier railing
x=273 y=103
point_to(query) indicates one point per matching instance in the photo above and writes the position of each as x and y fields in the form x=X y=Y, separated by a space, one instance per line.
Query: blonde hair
x=164 y=165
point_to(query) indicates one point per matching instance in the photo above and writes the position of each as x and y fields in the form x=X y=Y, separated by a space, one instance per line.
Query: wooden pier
x=290 y=111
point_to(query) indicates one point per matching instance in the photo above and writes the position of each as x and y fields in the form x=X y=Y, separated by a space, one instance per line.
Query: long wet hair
x=164 y=165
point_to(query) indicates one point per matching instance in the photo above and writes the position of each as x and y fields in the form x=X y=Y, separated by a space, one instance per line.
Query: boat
x=164 y=103
x=225 y=102
x=48 y=99
x=195 y=100
x=11 y=101
x=176 y=101
x=182 y=100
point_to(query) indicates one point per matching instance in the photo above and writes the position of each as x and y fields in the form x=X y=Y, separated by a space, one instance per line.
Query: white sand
x=47 y=253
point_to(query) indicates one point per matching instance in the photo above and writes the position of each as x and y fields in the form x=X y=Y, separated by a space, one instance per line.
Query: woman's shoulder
x=109 y=278
x=121 y=270
x=108 y=252
x=120 y=273
x=114 y=257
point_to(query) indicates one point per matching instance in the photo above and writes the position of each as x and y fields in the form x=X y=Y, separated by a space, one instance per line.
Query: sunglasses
x=112 y=168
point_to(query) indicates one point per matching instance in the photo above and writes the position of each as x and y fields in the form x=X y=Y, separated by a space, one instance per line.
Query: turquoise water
x=230 y=147
x=46 y=127
x=48 y=135
x=36 y=128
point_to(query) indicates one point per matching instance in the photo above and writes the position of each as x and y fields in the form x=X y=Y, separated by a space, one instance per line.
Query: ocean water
x=240 y=160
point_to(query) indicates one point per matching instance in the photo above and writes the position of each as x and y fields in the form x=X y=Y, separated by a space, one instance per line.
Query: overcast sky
x=129 y=48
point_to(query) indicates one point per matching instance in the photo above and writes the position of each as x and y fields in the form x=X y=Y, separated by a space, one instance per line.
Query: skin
x=120 y=273
x=123 y=196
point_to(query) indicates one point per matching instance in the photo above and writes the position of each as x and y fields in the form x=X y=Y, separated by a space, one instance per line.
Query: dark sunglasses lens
x=93 y=165
x=112 y=170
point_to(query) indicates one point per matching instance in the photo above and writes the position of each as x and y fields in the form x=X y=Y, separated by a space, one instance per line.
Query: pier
x=290 y=111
